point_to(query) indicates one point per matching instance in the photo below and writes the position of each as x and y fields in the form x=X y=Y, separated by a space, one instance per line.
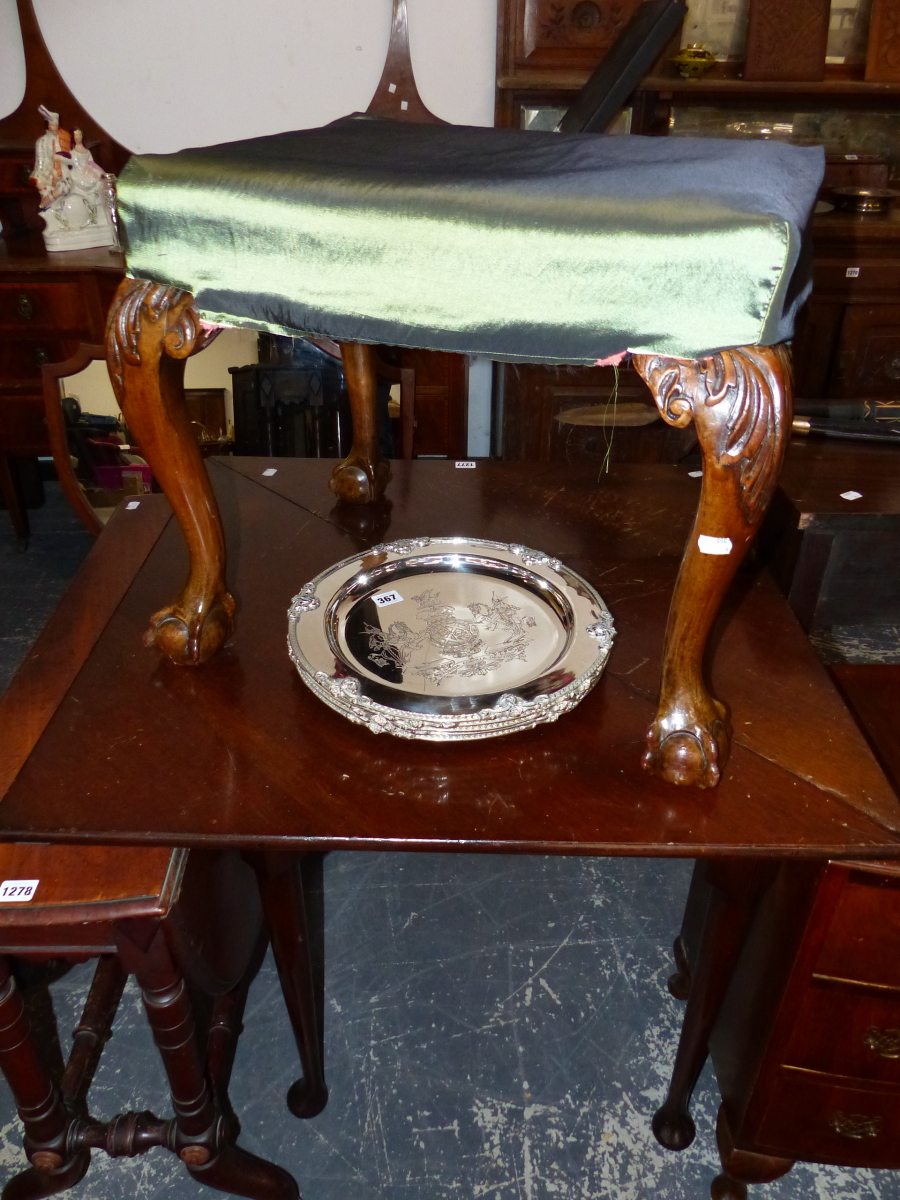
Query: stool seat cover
x=520 y=245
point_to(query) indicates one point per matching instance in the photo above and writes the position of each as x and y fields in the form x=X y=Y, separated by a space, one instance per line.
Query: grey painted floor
x=496 y=1027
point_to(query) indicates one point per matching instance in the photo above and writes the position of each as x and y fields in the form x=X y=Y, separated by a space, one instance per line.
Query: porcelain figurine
x=75 y=192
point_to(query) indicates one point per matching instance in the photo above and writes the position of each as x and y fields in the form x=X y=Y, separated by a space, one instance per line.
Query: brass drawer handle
x=855 y=1125
x=885 y=1042
x=24 y=307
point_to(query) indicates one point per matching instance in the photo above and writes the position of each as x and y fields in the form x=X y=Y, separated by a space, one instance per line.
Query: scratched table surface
x=101 y=741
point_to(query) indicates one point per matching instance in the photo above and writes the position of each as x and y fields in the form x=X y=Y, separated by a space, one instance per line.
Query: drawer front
x=820 y=1118
x=21 y=358
x=845 y=1031
x=28 y=308
x=863 y=940
x=23 y=426
x=865 y=275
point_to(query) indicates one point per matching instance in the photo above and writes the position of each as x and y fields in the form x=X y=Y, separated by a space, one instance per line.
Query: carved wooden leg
x=38 y=1102
x=285 y=912
x=151 y=331
x=740 y=1167
x=736 y=885
x=364 y=474
x=740 y=401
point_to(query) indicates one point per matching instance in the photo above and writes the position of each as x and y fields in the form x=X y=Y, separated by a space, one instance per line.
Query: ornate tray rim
x=510 y=713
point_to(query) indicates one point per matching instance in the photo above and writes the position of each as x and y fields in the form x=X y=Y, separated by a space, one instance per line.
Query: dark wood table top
x=102 y=741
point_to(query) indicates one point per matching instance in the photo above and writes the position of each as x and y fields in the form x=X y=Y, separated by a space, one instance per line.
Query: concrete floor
x=496 y=1027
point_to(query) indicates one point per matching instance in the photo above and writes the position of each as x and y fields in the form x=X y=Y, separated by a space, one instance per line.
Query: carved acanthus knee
x=152 y=330
x=739 y=401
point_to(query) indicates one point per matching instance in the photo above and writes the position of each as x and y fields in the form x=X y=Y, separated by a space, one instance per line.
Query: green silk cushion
x=518 y=245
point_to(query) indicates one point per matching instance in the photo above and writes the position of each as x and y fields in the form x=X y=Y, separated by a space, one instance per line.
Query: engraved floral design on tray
x=449 y=638
x=457 y=642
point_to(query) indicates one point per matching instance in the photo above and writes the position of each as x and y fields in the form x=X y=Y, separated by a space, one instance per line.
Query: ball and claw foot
x=358 y=481
x=188 y=639
x=689 y=750
x=673 y=1128
x=723 y=1187
x=306 y=1101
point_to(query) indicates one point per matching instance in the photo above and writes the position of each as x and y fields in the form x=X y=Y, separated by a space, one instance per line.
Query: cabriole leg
x=740 y=402
x=735 y=887
x=151 y=331
x=364 y=474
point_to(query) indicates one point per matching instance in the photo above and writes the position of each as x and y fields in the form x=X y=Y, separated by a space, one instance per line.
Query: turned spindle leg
x=740 y=402
x=364 y=474
x=151 y=331
x=38 y=1102
x=202 y=1134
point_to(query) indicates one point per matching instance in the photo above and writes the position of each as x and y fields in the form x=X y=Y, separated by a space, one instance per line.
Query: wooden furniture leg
x=735 y=887
x=11 y=491
x=740 y=402
x=151 y=331
x=363 y=475
x=51 y=373
x=284 y=909
x=38 y=1103
x=740 y=1167
x=202 y=1135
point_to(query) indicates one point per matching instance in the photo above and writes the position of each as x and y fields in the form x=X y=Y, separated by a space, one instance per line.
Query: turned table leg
x=151 y=331
x=364 y=474
x=281 y=891
x=740 y=402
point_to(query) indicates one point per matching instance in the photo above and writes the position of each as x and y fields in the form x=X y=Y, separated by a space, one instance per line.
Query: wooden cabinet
x=848 y=342
x=49 y=303
x=536 y=397
x=806 y=1045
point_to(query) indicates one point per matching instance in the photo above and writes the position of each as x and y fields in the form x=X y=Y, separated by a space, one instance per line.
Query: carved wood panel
x=883 y=59
x=787 y=41
x=869 y=352
x=561 y=33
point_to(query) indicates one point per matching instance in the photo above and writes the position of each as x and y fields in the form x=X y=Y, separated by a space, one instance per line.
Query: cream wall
x=179 y=73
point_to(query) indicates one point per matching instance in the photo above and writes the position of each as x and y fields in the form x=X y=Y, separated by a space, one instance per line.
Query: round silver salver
x=449 y=638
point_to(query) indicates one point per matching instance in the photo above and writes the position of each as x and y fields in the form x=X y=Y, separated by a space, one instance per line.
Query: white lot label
x=713 y=545
x=851 y=495
x=270 y=471
x=695 y=474
x=133 y=504
x=386 y=598
x=18 y=890
x=853 y=272
x=469 y=465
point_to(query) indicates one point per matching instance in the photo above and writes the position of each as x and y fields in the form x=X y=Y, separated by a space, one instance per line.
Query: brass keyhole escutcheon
x=24 y=306
x=885 y=1042
x=856 y=1125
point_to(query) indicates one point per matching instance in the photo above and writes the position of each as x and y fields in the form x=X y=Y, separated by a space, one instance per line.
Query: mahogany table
x=102 y=740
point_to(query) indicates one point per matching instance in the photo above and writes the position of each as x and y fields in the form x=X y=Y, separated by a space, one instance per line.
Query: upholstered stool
x=168 y=917
x=687 y=253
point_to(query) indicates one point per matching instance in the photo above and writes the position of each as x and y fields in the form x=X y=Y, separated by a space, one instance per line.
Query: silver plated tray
x=449 y=638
